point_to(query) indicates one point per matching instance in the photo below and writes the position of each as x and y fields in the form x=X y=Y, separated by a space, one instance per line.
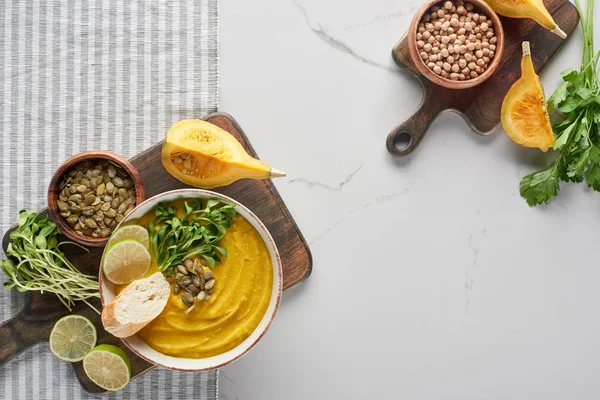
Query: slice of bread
x=137 y=305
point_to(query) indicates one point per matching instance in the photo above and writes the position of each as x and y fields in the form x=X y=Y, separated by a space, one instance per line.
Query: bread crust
x=123 y=329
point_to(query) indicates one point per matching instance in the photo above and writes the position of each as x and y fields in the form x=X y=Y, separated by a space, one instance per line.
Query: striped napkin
x=94 y=74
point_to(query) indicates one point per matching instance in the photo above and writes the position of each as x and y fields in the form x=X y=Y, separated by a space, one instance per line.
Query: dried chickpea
x=452 y=37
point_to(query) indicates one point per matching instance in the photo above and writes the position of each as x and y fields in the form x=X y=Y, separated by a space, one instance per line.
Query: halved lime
x=108 y=367
x=130 y=232
x=72 y=338
x=126 y=261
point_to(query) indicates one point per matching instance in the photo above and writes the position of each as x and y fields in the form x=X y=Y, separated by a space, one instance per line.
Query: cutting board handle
x=16 y=335
x=406 y=136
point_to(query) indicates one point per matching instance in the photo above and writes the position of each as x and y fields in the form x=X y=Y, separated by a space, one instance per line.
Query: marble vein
x=384 y=198
x=381 y=17
x=336 y=43
x=468 y=276
x=322 y=185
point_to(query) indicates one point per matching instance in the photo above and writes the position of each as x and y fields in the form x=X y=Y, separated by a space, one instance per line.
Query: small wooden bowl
x=482 y=6
x=53 y=191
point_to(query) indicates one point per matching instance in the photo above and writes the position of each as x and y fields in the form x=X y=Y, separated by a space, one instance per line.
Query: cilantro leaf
x=593 y=177
x=540 y=187
x=559 y=95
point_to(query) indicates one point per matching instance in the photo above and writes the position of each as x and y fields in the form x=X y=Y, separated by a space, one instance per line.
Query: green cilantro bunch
x=577 y=101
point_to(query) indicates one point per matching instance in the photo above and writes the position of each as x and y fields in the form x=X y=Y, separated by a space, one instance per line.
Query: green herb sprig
x=38 y=264
x=577 y=100
x=174 y=239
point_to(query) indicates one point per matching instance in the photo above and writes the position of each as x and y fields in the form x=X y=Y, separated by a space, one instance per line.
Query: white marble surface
x=432 y=278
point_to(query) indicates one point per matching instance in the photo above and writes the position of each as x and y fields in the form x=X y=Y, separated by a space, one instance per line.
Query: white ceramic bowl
x=139 y=347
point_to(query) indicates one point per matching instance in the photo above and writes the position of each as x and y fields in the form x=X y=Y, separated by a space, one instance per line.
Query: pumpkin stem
x=526 y=49
x=275 y=173
x=559 y=32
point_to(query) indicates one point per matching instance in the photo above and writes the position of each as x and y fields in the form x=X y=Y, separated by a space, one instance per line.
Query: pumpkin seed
x=176 y=288
x=193 y=290
x=87 y=193
x=118 y=182
x=189 y=310
x=208 y=275
x=198 y=281
x=185 y=156
x=182 y=269
x=185 y=281
x=210 y=284
x=105 y=232
x=187 y=164
x=62 y=206
x=122 y=208
x=177 y=160
x=99 y=216
x=72 y=220
x=88 y=211
x=187 y=298
x=189 y=264
x=170 y=278
x=201 y=296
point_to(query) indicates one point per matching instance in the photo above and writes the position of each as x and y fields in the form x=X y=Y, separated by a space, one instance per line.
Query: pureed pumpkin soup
x=218 y=318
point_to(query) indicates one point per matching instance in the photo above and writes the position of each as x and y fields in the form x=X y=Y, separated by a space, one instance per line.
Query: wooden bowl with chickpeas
x=456 y=44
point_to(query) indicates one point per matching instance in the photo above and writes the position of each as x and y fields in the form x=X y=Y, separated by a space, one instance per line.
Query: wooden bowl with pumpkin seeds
x=91 y=193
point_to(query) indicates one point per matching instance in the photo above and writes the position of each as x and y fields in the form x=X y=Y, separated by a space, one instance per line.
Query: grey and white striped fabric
x=94 y=74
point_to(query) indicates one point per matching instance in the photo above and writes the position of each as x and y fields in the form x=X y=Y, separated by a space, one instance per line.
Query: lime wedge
x=72 y=338
x=130 y=232
x=108 y=367
x=125 y=262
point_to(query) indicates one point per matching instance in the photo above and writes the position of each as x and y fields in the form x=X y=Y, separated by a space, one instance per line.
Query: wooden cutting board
x=479 y=106
x=34 y=323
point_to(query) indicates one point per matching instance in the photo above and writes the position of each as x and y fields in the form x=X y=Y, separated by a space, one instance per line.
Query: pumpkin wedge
x=205 y=156
x=534 y=9
x=524 y=111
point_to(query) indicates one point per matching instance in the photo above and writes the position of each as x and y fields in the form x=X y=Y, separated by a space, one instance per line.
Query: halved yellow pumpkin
x=524 y=111
x=534 y=9
x=205 y=156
